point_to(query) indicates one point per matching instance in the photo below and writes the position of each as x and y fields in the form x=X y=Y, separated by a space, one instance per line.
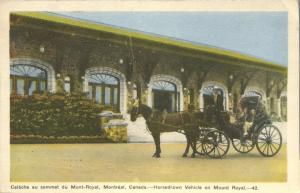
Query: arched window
x=165 y=96
x=165 y=92
x=105 y=89
x=26 y=79
x=253 y=93
x=164 y=85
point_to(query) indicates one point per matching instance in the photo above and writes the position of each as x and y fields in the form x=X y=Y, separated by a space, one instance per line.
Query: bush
x=54 y=115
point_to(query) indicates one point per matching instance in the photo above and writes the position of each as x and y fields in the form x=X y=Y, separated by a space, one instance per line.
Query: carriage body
x=215 y=139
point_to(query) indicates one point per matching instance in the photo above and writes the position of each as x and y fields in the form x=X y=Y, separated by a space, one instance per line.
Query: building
x=112 y=65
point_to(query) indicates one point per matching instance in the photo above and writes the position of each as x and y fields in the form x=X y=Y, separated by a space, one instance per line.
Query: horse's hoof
x=184 y=155
x=156 y=155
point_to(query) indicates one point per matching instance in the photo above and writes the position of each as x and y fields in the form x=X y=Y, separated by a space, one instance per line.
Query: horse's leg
x=193 y=138
x=193 y=145
x=156 y=137
x=188 y=144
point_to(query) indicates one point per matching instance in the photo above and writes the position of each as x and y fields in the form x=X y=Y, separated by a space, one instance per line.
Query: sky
x=259 y=34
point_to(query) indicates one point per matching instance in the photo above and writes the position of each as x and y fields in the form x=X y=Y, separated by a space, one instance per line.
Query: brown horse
x=158 y=122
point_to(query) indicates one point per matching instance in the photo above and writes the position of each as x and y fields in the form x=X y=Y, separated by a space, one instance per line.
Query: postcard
x=149 y=96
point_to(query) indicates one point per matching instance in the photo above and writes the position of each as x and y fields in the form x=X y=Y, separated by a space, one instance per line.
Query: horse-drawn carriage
x=210 y=132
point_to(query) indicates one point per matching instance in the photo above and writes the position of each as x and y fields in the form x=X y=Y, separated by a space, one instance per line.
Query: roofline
x=143 y=36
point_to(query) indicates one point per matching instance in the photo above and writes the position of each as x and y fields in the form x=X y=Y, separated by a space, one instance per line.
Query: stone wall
x=72 y=52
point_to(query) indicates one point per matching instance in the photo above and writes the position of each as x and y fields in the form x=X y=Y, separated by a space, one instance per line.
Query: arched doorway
x=164 y=96
x=254 y=91
x=107 y=87
x=206 y=93
x=28 y=76
x=165 y=93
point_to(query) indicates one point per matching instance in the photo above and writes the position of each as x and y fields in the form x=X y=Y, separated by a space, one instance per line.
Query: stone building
x=114 y=65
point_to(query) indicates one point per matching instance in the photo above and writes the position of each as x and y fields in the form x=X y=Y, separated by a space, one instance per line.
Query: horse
x=158 y=122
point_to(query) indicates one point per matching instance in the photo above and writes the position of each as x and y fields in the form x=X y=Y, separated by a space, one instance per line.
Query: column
x=278 y=109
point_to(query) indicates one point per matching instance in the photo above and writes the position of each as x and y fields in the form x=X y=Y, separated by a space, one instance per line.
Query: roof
x=152 y=38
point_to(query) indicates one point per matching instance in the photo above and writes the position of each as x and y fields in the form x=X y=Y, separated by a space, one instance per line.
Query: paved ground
x=133 y=163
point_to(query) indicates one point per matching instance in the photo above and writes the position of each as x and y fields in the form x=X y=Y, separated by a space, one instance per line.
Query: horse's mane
x=145 y=110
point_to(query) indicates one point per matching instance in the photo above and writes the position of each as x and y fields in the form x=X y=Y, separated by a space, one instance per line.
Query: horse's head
x=134 y=110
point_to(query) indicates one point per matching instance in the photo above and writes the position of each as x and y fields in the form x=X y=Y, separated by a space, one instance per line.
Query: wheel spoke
x=264 y=145
x=247 y=147
x=240 y=147
x=276 y=143
x=276 y=139
x=274 y=146
x=276 y=134
x=218 y=151
x=272 y=132
x=262 y=139
x=223 y=144
x=214 y=152
x=261 y=142
x=271 y=149
x=221 y=148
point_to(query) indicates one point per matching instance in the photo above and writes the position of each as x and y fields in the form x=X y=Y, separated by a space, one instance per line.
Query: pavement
x=134 y=163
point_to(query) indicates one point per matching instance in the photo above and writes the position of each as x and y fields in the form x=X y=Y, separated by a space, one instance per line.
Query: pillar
x=278 y=105
x=268 y=103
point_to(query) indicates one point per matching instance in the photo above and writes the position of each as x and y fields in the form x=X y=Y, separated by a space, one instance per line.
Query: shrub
x=54 y=115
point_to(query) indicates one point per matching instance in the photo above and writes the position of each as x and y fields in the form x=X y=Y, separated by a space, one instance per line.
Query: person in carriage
x=250 y=111
x=249 y=119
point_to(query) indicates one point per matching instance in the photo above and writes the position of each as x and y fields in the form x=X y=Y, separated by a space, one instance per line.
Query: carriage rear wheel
x=269 y=140
x=215 y=144
x=243 y=146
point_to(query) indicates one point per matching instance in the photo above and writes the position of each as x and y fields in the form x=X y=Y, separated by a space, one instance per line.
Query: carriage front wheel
x=215 y=144
x=269 y=140
x=243 y=145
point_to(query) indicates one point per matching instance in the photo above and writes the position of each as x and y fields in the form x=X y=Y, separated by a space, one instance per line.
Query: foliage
x=54 y=115
x=116 y=133
x=33 y=139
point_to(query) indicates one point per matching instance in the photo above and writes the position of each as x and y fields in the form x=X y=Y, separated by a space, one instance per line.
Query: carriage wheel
x=198 y=145
x=243 y=146
x=199 y=141
x=269 y=140
x=215 y=144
